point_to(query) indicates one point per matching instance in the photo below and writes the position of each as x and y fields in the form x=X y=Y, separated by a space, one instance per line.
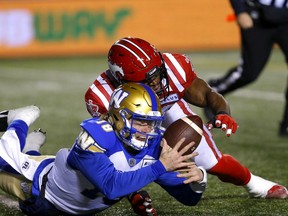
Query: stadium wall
x=89 y=27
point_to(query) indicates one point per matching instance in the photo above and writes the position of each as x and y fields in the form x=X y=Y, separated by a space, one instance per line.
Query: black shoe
x=3 y=120
x=283 y=130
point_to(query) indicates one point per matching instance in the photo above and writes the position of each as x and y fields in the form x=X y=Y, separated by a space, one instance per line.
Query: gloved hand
x=142 y=203
x=225 y=122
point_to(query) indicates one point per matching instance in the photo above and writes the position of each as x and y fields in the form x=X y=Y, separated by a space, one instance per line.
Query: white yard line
x=260 y=95
x=244 y=93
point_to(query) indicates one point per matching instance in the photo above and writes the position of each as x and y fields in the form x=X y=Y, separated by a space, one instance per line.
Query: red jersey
x=180 y=74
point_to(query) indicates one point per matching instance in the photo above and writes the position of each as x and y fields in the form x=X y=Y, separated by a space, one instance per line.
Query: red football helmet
x=136 y=60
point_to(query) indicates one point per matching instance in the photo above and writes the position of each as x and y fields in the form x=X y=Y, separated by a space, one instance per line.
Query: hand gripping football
x=190 y=127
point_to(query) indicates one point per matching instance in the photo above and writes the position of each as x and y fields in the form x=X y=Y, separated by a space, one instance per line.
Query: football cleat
x=142 y=203
x=35 y=140
x=27 y=114
x=277 y=192
x=262 y=188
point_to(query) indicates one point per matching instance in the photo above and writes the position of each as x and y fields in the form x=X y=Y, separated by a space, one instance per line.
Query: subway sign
x=59 y=26
x=21 y=27
x=30 y=28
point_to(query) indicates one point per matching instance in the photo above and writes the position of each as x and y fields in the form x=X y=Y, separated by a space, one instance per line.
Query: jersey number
x=105 y=126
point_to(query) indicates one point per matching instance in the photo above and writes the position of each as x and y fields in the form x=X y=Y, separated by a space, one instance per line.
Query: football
x=190 y=127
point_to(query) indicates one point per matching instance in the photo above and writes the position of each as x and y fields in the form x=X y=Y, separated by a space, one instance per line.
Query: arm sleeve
x=169 y=179
x=100 y=171
x=97 y=96
x=187 y=194
x=94 y=105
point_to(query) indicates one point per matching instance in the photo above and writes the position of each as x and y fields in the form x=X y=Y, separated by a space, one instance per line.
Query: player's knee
x=184 y=194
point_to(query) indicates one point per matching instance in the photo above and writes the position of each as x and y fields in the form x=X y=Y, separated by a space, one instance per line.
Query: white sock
x=258 y=187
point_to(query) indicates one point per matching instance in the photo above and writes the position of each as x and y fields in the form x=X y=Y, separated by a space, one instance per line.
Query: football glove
x=142 y=203
x=225 y=122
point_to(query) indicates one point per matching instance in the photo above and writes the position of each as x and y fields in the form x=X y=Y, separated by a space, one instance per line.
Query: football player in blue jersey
x=109 y=159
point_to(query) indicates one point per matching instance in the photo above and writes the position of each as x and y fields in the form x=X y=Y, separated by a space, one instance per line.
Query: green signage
x=55 y=26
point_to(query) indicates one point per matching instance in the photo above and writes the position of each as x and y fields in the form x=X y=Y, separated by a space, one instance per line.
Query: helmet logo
x=117 y=98
x=115 y=68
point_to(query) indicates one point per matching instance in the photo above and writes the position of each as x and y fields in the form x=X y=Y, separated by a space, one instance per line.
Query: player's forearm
x=123 y=183
x=100 y=171
x=217 y=103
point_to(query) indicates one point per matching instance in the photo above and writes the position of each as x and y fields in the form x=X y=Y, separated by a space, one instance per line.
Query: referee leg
x=281 y=39
x=256 y=47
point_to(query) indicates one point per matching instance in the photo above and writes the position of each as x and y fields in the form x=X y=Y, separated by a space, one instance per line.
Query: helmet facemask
x=160 y=72
x=137 y=139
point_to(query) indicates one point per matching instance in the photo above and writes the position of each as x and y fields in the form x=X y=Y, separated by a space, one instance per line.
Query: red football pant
x=228 y=169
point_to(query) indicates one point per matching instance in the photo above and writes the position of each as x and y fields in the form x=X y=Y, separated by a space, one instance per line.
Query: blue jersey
x=86 y=181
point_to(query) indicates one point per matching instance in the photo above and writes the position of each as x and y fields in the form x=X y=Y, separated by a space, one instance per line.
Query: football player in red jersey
x=174 y=79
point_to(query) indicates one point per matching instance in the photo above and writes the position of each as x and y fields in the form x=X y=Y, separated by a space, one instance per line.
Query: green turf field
x=58 y=87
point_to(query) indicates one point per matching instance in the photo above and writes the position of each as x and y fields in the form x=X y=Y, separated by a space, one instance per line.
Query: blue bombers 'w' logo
x=117 y=97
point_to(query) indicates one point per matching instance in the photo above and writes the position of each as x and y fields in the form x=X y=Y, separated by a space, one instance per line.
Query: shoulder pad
x=101 y=131
x=180 y=66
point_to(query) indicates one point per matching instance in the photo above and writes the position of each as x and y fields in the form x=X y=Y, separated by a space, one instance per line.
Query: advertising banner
x=89 y=27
